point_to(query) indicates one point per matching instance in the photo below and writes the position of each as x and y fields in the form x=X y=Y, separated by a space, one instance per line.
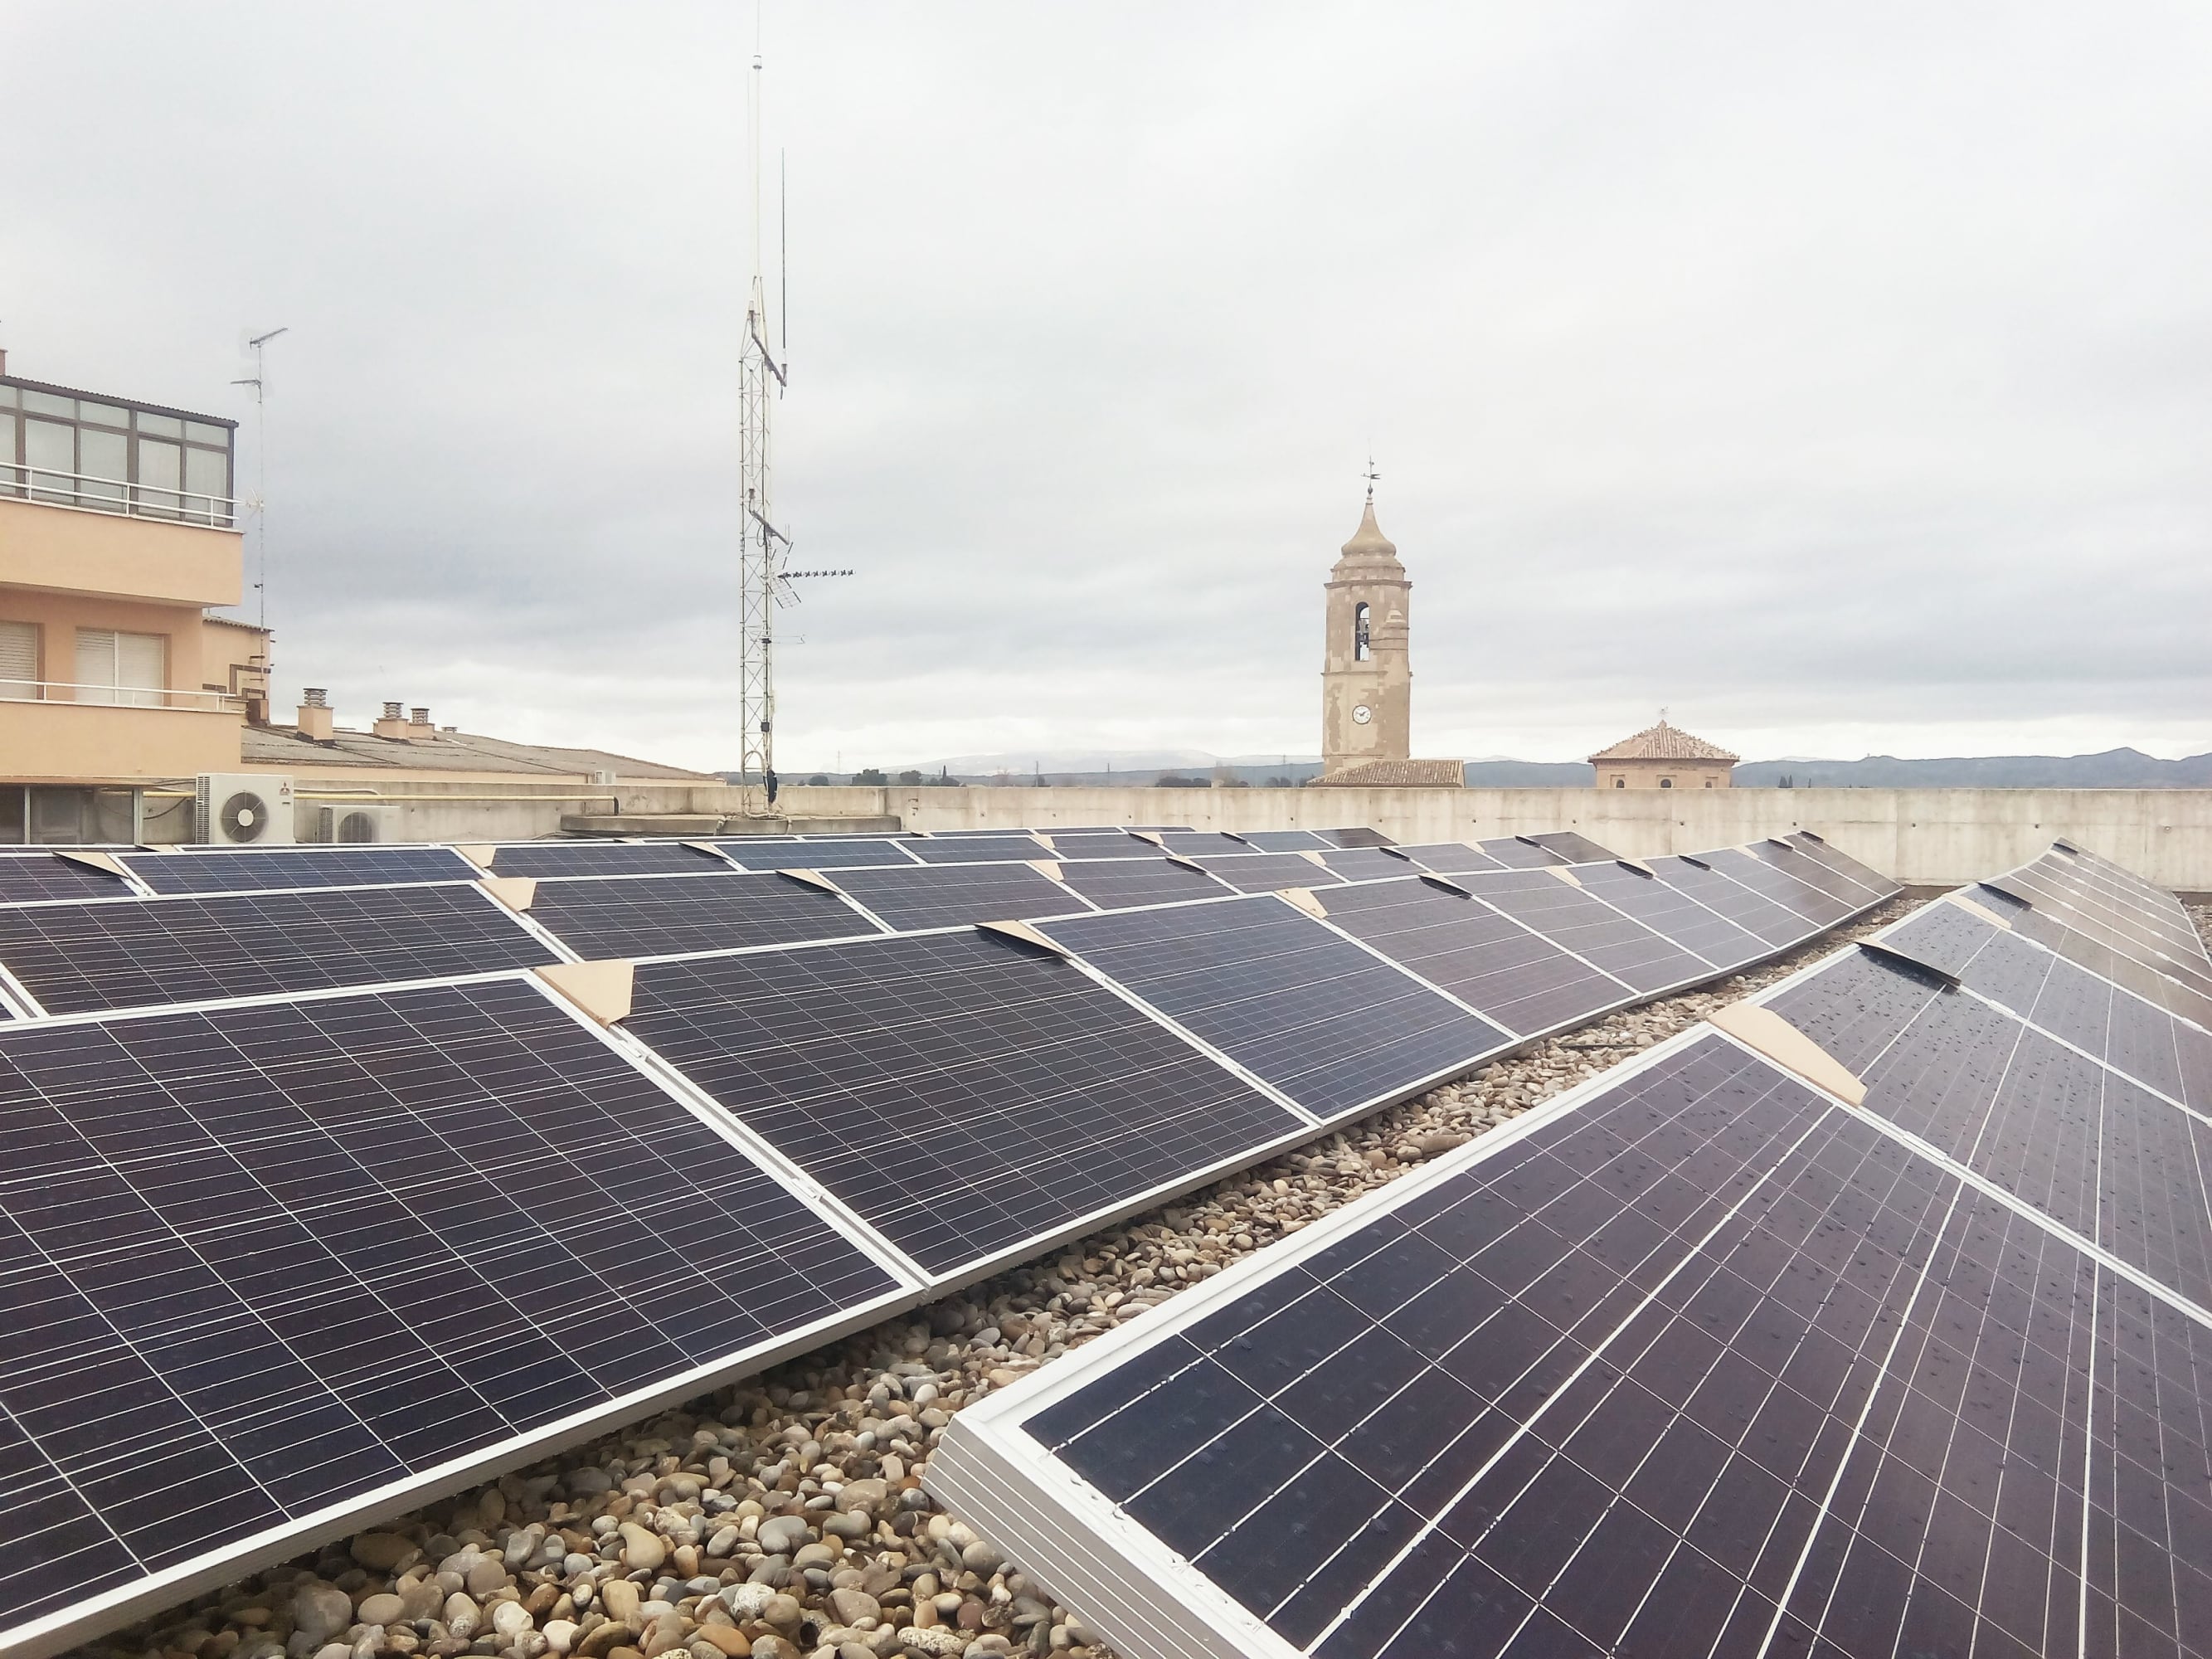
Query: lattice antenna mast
x=761 y=382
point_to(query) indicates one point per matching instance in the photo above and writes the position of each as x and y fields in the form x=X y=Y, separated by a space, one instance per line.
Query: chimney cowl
x=418 y=717
x=314 y=697
x=391 y=711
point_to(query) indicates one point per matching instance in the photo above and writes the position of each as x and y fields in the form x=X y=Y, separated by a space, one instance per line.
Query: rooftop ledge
x=66 y=549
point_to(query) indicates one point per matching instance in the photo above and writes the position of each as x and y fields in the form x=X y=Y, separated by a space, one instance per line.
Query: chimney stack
x=315 y=716
x=419 y=728
x=393 y=723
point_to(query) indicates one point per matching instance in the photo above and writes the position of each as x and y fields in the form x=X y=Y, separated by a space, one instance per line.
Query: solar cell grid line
x=130 y=953
x=1774 y=925
x=603 y=858
x=1515 y=853
x=2151 y=976
x=254 y=868
x=1355 y=835
x=970 y=1098
x=2118 y=918
x=1579 y=920
x=672 y=915
x=26 y=877
x=818 y=855
x=1672 y=914
x=1124 y=883
x=1267 y=872
x=1458 y=1454
x=1330 y=1024
x=1190 y=843
x=1450 y=858
x=908 y=899
x=1504 y=970
x=240 y=1221
x=979 y=849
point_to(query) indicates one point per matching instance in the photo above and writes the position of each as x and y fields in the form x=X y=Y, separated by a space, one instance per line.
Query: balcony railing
x=19 y=480
x=120 y=696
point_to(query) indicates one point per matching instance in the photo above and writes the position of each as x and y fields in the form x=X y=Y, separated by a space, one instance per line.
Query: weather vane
x=1370 y=475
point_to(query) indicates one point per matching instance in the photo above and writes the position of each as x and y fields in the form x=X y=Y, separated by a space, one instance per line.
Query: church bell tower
x=1367 y=677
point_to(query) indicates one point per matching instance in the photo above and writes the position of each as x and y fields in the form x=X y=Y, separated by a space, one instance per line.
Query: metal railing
x=21 y=481
x=120 y=696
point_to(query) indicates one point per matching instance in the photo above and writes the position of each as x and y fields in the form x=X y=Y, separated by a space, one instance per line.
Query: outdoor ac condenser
x=243 y=809
x=358 y=823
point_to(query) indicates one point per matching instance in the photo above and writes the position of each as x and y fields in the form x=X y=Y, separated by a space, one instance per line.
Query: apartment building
x=118 y=530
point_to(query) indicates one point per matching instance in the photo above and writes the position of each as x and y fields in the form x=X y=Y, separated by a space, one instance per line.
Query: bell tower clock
x=1367 y=677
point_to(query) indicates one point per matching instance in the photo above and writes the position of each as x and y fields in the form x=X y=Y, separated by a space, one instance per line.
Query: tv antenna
x=259 y=345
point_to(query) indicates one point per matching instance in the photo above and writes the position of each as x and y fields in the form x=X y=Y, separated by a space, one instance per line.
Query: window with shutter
x=19 y=659
x=115 y=667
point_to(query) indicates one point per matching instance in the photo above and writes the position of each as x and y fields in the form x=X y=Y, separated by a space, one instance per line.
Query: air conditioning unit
x=358 y=823
x=243 y=809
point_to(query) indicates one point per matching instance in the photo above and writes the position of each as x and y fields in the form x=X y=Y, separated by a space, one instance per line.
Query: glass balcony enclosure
x=110 y=455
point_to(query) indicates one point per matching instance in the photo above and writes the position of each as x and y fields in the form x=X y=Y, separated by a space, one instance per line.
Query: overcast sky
x=1839 y=378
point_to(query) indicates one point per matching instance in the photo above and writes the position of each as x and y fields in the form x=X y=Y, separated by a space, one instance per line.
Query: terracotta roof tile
x=1663 y=742
x=1397 y=775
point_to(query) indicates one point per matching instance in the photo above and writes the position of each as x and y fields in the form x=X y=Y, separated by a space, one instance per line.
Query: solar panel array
x=1873 y=1319
x=789 y=1123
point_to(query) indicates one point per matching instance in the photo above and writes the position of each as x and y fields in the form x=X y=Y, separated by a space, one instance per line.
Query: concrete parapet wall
x=1921 y=836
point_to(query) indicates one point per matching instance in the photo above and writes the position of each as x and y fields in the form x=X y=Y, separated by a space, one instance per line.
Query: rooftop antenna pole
x=259 y=345
x=760 y=560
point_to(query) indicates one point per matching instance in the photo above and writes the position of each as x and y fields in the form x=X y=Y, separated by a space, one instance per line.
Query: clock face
x=1363 y=715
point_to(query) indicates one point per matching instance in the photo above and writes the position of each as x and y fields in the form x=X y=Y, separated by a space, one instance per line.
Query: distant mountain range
x=2115 y=768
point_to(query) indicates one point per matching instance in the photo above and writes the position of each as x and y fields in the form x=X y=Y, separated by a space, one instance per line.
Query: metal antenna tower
x=759 y=561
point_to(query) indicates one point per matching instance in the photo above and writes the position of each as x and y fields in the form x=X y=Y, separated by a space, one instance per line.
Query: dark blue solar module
x=1104 y=844
x=253 y=868
x=1368 y=863
x=1572 y=845
x=815 y=854
x=241 y=1294
x=1672 y=914
x=967 y=1095
x=1764 y=877
x=1120 y=883
x=1517 y=852
x=1797 y=860
x=604 y=858
x=1189 y=843
x=978 y=849
x=130 y=953
x=1285 y=841
x=1449 y=858
x=26 y=877
x=1286 y=997
x=1705 y=1365
x=670 y=915
x=1577 y=920
x=1773 y=924
x=1512 y=975
x=1268 y=873
x=946 y=896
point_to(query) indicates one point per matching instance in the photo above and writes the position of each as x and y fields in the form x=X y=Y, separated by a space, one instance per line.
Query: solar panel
x=977 y=849
x=1672 y=914
x=1518 y=853
x=947 y=896
x=1122 y=884
x=967 y=1095
x=816 y=855
x=1570 y=917
x=1740 y=866
x=1515 y=977
x=1773 y=923
x=130 y=953
x=1268 y=873
x=1572 y=845
x=27 y=877
x=670 y=915
x=1289 y=999
x=1189 y=843
x=1801 y=866
x=272 y=1270
x=2148 y=973
x=254 y=868
x=1368 y=863
x=1355 y=835
x=1843 y=864
x=604 y=858
x=1284 y=841
x=1695 y=1363
x=1450 y=858
x=1103 y=844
